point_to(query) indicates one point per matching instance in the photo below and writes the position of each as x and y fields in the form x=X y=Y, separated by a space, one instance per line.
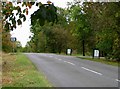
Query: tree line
x=10 y=20
x=81 y=27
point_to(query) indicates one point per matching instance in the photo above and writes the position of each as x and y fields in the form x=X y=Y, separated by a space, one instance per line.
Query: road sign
x=96 y=53
x=69 y=51
x=13 y=39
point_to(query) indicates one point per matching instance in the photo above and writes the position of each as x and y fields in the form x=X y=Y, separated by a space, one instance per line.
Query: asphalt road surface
x=69 y=71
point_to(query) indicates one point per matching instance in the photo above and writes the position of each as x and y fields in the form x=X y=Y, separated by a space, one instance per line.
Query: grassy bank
x=18 y=71
x=101 y=60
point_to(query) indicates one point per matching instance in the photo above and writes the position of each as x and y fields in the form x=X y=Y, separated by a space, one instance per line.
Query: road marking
x=91 y=71
x=65 y=61
x=56 y=58
x=69 y=63
x=60 y=59
x=117 y=80
x=50 y=56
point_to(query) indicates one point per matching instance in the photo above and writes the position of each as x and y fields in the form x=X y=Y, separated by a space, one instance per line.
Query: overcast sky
x=22 y=33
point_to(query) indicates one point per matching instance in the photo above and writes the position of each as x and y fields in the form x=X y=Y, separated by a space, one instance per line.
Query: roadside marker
x=117 y=80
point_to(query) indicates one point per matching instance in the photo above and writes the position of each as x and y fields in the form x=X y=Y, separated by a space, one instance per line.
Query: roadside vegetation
x=81 y=28
x=18 y=71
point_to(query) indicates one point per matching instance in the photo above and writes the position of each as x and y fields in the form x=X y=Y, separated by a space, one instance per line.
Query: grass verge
x=18 y=71
x=101 y=60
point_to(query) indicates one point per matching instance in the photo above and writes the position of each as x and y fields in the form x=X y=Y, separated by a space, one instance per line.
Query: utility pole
x=13 y=39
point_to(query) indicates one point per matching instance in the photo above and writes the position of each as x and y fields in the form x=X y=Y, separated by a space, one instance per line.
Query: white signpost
x=96 y=53
x=69 y=51
x=13 y=39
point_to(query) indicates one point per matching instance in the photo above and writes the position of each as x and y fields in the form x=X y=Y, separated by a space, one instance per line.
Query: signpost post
x=13 y=39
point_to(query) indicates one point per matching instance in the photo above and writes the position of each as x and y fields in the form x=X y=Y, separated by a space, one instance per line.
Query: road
x=69 y=71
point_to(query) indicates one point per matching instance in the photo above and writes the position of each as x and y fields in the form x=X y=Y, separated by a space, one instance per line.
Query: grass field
x=18 y=71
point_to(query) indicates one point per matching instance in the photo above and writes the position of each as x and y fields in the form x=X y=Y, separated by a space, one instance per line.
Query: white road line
x=59 y=59
x=91 y=70
x=50 y=56
x=65 y=61
x=117 y=80
x=56 y=58
x=69 y=63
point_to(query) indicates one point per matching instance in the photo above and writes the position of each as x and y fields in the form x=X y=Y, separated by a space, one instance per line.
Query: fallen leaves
x=7 y=80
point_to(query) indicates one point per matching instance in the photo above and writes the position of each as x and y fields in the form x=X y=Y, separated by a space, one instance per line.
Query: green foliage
x=46 y=12
x=103 y=18
x=49 y=39
x=6 y=43
x=82 y=31
x=55 y=38
x=96 y=26
x=7 y=12
x=80 y=27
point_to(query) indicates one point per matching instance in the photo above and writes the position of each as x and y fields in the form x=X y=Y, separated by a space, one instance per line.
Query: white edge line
x=117 y=80
x=91 y=70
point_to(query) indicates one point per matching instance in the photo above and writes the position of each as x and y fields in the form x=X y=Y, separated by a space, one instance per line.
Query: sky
x=22 y=32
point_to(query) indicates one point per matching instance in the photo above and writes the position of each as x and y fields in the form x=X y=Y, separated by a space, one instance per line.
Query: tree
x=45 y=12
x=95 y=24
x=10 y=19
x=103 y=18
x=82 y=31
x=51 y=37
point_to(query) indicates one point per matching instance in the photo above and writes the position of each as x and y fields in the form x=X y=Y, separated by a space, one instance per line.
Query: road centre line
x=91 y=70
x=117 y=80
x=56 y=58
x=69 y=63
x=60 y=59
x=50 y=56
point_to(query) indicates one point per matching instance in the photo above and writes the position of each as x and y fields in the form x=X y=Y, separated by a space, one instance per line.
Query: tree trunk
x=83 y=43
